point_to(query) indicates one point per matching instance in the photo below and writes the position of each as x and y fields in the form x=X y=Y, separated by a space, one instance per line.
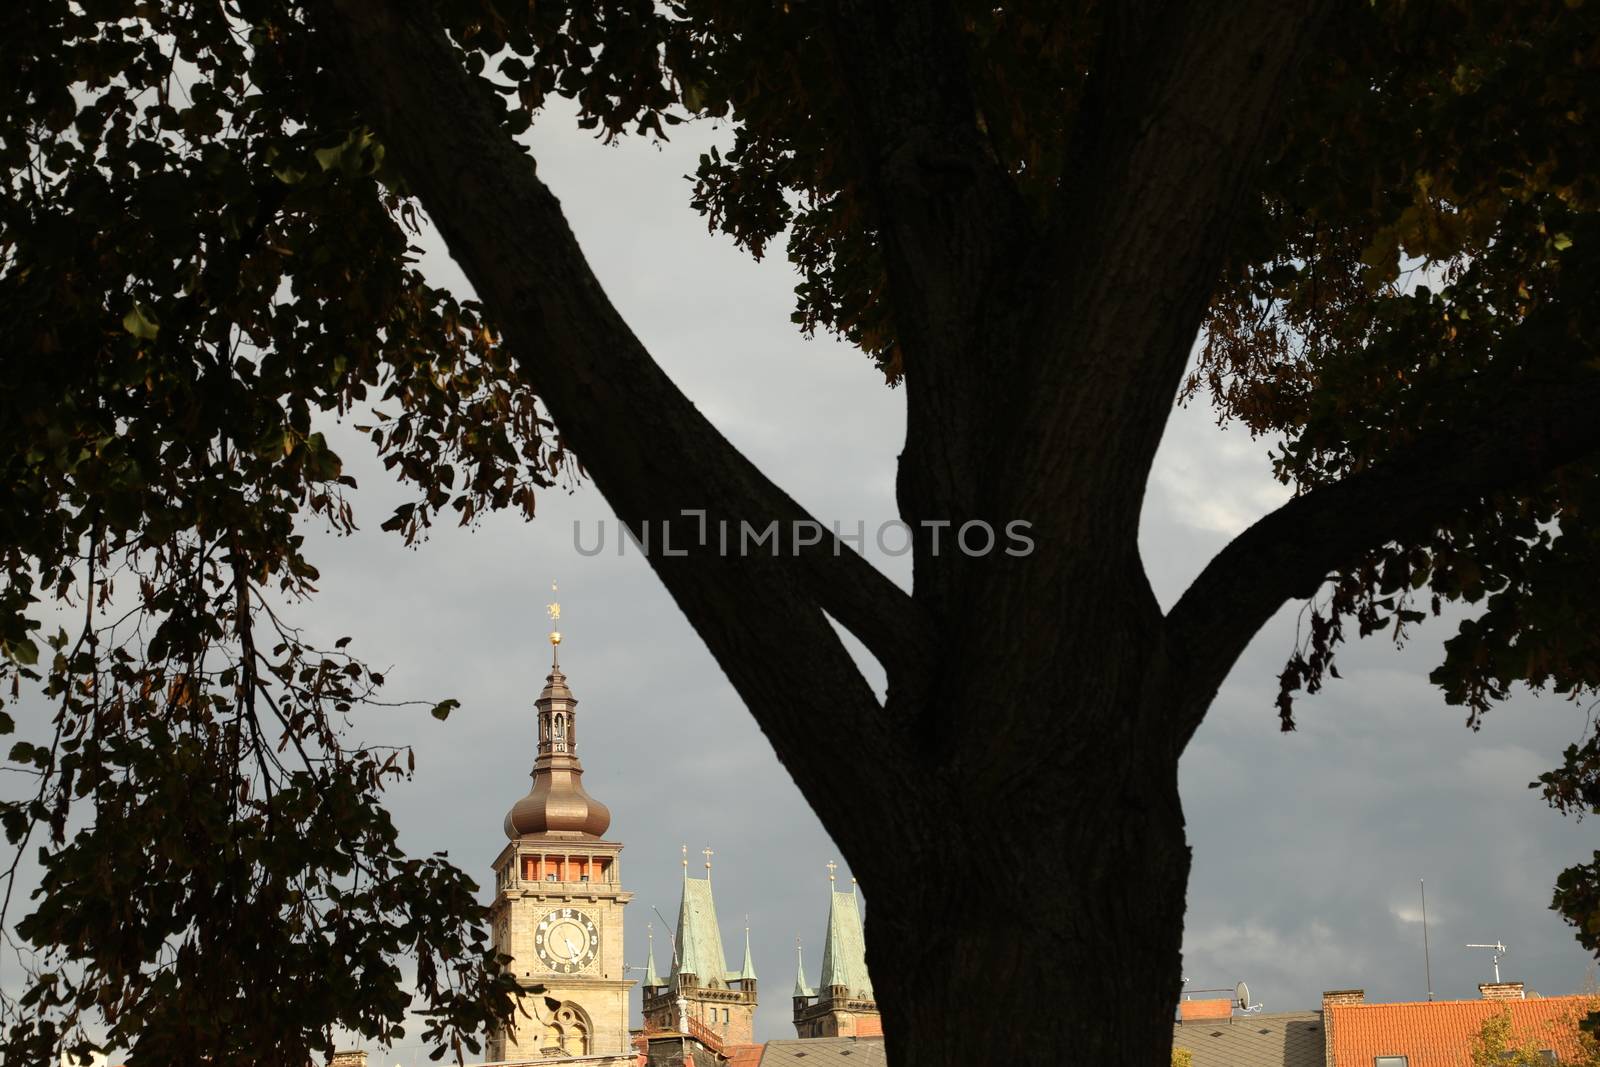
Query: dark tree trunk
x=1033 y=908
x=1059 y=945
x=1013 y=810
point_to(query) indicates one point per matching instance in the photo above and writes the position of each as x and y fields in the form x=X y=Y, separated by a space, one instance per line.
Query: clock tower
x=558 y=900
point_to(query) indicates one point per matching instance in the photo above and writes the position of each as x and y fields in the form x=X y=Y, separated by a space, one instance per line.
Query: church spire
x=748 y=972
x=557 y=801
x=701 y=987
x=699 y=937
x=800 y=987
x=844 y=950
x=651 y=978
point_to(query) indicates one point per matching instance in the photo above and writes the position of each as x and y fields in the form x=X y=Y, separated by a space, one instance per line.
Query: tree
x=1380 y=219
x=1494 y=1044
x=1497 y=1042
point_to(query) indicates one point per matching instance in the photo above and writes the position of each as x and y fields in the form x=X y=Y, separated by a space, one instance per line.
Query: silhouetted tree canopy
x=1367 y=232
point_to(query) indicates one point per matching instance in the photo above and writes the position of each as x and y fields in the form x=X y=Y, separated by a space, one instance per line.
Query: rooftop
x=1282 y=1039
x=1441 y=1033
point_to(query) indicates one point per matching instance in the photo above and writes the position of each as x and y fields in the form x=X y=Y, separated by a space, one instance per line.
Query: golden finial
x=832 y=866
x=553 y=609
x=707 y=853
x=685 y=849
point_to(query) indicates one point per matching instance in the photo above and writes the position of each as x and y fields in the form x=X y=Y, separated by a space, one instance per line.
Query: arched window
x=572 y=1028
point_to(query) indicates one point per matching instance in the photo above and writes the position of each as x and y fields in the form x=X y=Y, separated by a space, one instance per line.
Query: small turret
x=801 y=990
x=747 y=973
x=651 y=978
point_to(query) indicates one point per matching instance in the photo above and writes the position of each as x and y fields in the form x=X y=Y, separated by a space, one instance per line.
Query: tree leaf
x=138 y=322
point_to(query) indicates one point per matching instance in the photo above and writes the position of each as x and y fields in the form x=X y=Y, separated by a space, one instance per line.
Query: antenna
x=1241 y=994
x=1427 y=963
x=1499 y=953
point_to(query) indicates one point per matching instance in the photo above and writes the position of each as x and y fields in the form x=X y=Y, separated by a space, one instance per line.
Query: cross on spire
x=707 y=853
x=832 y=866
x=685 y=849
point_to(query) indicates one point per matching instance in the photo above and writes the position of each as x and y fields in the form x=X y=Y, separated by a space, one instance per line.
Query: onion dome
x=557 y=803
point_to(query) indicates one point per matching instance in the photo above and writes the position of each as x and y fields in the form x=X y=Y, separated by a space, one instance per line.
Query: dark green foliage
x=1428 y=243
x=200 y=256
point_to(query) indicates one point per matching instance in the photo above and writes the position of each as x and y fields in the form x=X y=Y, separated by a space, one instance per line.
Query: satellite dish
x=1242 y=993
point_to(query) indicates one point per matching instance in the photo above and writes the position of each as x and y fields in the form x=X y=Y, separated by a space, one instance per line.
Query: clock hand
x=572 y=953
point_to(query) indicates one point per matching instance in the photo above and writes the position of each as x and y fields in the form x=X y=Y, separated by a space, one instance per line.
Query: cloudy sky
x=1308 y=847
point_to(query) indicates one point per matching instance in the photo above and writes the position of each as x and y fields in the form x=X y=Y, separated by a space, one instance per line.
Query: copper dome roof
x=557 y=803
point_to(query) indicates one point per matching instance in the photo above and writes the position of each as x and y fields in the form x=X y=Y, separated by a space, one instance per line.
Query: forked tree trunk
x=1013 y=811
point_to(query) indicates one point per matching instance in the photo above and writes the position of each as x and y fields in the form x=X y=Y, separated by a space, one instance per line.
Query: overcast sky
x=1308 y=846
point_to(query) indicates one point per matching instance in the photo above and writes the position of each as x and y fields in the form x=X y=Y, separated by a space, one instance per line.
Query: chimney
x=1334 y=998
x=1502 y=991
x=348 y=1059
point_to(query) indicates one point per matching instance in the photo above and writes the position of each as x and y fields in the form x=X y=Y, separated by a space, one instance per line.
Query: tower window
x=1390 y=1061
x=550 y=877
x=583 y=877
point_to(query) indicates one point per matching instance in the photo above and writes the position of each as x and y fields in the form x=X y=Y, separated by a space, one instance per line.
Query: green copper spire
x=748 y=973
x=844 y=951
x=699 y=938
x=650 y=976
x=800 y=987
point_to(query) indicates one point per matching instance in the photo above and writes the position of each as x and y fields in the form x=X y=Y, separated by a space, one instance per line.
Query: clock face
x=566 y=940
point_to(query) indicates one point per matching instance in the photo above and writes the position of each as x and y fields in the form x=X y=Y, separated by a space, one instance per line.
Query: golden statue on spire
x=553 y=609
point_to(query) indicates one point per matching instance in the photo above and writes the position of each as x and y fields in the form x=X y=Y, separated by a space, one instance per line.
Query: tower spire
x=651 y=978
x=844 y=951
x=699 y=937
x=800 y=987
x=557 y=800
x=748 y=971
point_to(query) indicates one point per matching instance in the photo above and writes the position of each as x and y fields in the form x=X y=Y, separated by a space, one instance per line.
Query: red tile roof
x=743 y=1055
x=1441 y=1033
x=1191 y=1010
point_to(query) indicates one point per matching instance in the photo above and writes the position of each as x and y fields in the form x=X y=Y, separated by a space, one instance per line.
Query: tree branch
x=947 y=211
x=1289 y=553
x=650 y=451
x=954 y=233
x=1175 y=122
